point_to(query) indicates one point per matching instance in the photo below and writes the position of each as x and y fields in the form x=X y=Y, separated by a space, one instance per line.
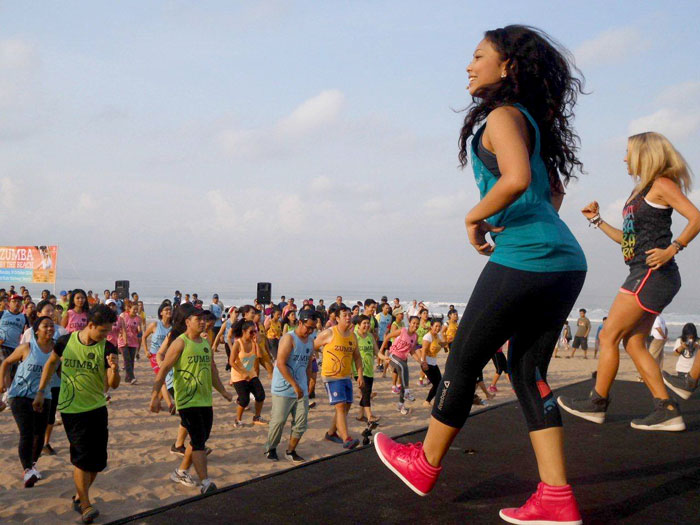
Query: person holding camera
x=687 y=345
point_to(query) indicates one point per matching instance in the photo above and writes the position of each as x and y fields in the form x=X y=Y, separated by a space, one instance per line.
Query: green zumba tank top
x=192 y=375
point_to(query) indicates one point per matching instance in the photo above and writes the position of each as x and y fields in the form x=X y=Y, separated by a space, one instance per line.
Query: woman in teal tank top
x=518 y=132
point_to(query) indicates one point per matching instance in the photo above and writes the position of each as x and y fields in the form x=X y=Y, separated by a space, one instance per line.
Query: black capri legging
x=527 y=307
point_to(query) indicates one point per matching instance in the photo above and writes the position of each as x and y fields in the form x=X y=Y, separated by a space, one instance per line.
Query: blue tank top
x=535 y=239
x=158 y=336
x=28 y=376
x=217 y=311
x=297 y=362
x=11 y=328
x=384 y=322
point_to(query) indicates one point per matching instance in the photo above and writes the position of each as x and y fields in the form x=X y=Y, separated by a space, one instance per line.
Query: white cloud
x=447 y=206
x=679 y=114
x=675 y=123
x=307 y=119
x=8 y=194
x=312 y=114
x=610 y=47
x=321 y=184
x=291 y=213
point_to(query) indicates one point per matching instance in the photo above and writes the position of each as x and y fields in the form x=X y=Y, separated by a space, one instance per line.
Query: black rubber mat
x=619 y=475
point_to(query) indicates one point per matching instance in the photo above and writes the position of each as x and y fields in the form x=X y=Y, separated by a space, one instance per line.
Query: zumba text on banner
x=28 y=264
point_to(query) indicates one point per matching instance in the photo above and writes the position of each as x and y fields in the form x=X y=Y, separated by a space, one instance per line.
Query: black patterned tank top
x=644 y=227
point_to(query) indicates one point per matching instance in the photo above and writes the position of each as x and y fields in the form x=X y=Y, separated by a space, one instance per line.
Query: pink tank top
x=404 y=344
x=76 y=321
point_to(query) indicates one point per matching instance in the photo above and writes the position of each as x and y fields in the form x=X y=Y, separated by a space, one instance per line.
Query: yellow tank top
x=337 y=356
x=451 y=330
x=275 y=330
x=434 y=348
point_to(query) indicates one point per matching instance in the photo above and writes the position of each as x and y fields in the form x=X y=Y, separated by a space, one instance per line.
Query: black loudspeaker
x=264 y=293
x=122 y=288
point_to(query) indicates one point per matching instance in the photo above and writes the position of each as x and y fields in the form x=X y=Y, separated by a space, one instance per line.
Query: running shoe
x=133 y=381
x=48 y=450
x=477 y=400
x=403 y=410
x=380 y=368
x=395 y=389
x=665 y=416
x=420 y=382
x=293 y=456
x=258 y=420
x=408 y=462
x=592 y=408
x=409 y=396
x=178 y=451
x=36 y=471
x=183 y=477
x=334 y=437
x=76 y=504
x=237 y=423
x=312 y=404
x=207 y=486
x=492 y=389
x=550 y=505
x=272 y=455
x=351 y=443
x=683 y=385
x=90 y=514
x=30 y=478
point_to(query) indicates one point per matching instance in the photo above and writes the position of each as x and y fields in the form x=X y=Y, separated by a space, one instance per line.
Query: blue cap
x=63 y=292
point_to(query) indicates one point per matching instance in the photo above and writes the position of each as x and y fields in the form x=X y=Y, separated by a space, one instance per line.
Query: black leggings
x=55 y=391
x=32 y=426
x=530 y=308
x=434 y=376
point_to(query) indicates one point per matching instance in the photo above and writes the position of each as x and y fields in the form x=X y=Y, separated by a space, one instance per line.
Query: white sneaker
x=237 y=423
x=403 y=410
x=36 y=471
x=30 y=478
x=409 y=396
x=183 y=478
x=207 y=486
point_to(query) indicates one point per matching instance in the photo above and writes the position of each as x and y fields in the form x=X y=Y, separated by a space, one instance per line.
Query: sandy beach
x=136 y=478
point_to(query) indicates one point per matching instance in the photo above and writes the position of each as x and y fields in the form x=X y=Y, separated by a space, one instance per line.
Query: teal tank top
x=535 y=239
x=158 y=336
x=297 y=363
x=28 y=375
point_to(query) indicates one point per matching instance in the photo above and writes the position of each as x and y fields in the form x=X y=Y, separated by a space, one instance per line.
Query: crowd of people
x=68 y=354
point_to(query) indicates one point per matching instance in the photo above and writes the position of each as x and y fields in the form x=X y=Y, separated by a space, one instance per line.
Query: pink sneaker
x=548 y=506
x=395 y=389
x=492 y=389
x=408 y=463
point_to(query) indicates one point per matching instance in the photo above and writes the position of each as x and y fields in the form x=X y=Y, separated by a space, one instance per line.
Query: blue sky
x=305 y=143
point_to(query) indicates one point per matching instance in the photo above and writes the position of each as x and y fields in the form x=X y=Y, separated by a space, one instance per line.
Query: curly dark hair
x=542 y=76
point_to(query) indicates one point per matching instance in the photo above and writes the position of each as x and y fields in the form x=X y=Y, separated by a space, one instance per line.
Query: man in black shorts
x=583 y=327
x=87 y=360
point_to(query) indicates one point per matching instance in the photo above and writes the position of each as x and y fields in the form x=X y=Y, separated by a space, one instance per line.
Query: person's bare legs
x=437 y=441
x=339 y=423
x=198 y=458
x=624 y=315
x=293 y=442
x=695 y=369
x=239 y=412
x=181 y=435
x=83 y=480
x=548 y=445
x=648 y=368
x=258 y=408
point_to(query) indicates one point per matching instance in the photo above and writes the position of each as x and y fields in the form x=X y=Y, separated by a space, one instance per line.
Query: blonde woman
x=663 y=180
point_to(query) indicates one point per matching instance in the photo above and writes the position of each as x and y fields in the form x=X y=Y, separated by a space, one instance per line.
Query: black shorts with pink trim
x=653 y=289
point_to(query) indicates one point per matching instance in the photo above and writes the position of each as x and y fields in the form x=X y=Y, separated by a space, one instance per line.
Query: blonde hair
x=650 y=155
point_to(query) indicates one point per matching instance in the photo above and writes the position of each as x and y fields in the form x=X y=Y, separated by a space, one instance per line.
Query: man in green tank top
x=88 y=361
x=194 y=374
